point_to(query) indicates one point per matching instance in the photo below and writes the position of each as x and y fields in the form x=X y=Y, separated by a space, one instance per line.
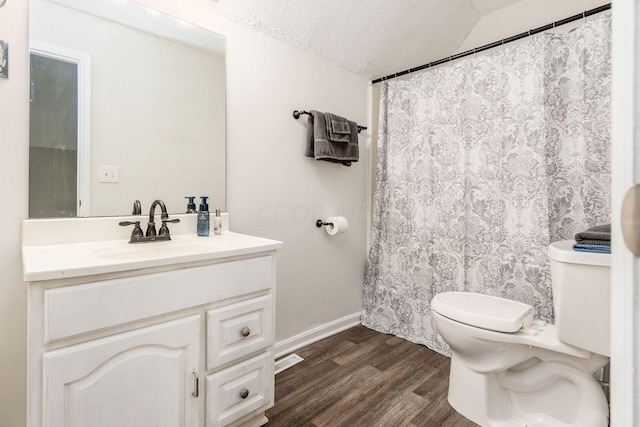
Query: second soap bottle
x=203 y=217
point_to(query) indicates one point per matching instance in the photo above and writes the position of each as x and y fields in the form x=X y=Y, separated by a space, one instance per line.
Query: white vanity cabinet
x=189 y=344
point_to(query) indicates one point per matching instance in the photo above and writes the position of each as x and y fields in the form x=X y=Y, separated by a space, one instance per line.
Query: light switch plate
x=109 y=174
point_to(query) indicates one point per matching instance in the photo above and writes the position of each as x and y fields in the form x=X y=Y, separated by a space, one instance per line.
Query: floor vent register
x=287 y=362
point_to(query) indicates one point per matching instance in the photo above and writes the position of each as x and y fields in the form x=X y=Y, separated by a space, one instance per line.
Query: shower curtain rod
x=582 y=15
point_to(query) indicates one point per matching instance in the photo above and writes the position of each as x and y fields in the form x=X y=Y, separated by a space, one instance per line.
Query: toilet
x=510 y=369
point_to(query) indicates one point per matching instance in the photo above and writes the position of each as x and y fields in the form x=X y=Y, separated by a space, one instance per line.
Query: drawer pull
x=244 y=393
x=245 y=332
x=196 y=393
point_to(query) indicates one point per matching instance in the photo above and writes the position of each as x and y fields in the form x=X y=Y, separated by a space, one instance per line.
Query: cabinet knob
x=245 y=332
x=244 y=393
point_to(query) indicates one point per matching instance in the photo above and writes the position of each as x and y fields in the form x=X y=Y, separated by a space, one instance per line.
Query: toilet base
x=531 y=394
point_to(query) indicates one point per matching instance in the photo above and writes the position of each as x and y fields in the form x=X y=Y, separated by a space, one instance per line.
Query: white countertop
x=52 y=262
x=64 y=248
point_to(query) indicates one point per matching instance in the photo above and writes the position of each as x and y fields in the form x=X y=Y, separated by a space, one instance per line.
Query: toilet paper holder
x=320 y=223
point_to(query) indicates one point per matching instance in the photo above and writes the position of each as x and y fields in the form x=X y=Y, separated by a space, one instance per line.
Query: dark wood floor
x=360 y=377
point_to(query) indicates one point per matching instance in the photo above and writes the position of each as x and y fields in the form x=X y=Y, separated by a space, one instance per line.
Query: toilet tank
x=581 y=286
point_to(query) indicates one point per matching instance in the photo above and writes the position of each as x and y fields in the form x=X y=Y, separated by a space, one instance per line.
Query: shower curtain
x=481 y=165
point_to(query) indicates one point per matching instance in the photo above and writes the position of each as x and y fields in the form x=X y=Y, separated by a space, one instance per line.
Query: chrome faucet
x=150 y=235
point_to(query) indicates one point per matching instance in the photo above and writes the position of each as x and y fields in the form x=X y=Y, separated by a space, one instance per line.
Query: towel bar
x=297 y=114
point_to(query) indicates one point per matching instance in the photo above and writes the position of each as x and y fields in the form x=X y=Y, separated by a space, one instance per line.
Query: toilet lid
x=483 y=311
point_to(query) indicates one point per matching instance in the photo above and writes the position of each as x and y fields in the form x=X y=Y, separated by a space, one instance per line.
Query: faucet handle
x=125 y=223
x=137 y=233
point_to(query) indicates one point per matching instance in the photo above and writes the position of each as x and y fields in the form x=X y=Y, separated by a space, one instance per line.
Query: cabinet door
x=142 y=378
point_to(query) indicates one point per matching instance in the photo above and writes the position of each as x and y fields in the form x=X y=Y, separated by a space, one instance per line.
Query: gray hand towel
x=598 y=235
x=310 y=134
x=321 y=148
x=338 y=128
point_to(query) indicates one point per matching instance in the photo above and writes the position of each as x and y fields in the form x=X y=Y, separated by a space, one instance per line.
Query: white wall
x=14 y=127
x=274 y=191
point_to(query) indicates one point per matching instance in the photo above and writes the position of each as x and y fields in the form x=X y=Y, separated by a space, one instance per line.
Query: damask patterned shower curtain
x=481 y=165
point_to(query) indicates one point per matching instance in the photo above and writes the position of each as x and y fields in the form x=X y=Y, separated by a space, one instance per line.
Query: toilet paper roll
x=340 y=225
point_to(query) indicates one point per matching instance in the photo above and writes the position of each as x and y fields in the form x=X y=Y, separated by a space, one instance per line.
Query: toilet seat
x=483 y=311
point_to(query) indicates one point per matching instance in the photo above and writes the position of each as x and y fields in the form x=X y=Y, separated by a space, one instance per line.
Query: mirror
x=126 y=104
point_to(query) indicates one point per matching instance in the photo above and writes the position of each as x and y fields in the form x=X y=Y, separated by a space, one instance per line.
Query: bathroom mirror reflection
x=126 y=104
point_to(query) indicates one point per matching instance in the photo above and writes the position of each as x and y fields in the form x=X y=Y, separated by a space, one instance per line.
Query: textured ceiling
x=369 y=37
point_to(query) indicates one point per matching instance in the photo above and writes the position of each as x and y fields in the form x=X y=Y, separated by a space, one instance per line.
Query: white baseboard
x=289 y=345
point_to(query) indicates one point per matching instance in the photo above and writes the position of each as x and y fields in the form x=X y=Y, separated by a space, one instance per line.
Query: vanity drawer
x=238 y=330
x=73 y=310
x=237 y=391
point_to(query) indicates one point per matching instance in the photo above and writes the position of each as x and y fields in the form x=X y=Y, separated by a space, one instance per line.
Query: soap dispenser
x=203 y=217
x=217 y=223
x=191 y=205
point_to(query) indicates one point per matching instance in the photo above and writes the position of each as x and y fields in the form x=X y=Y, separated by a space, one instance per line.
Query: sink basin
x=152 y=250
